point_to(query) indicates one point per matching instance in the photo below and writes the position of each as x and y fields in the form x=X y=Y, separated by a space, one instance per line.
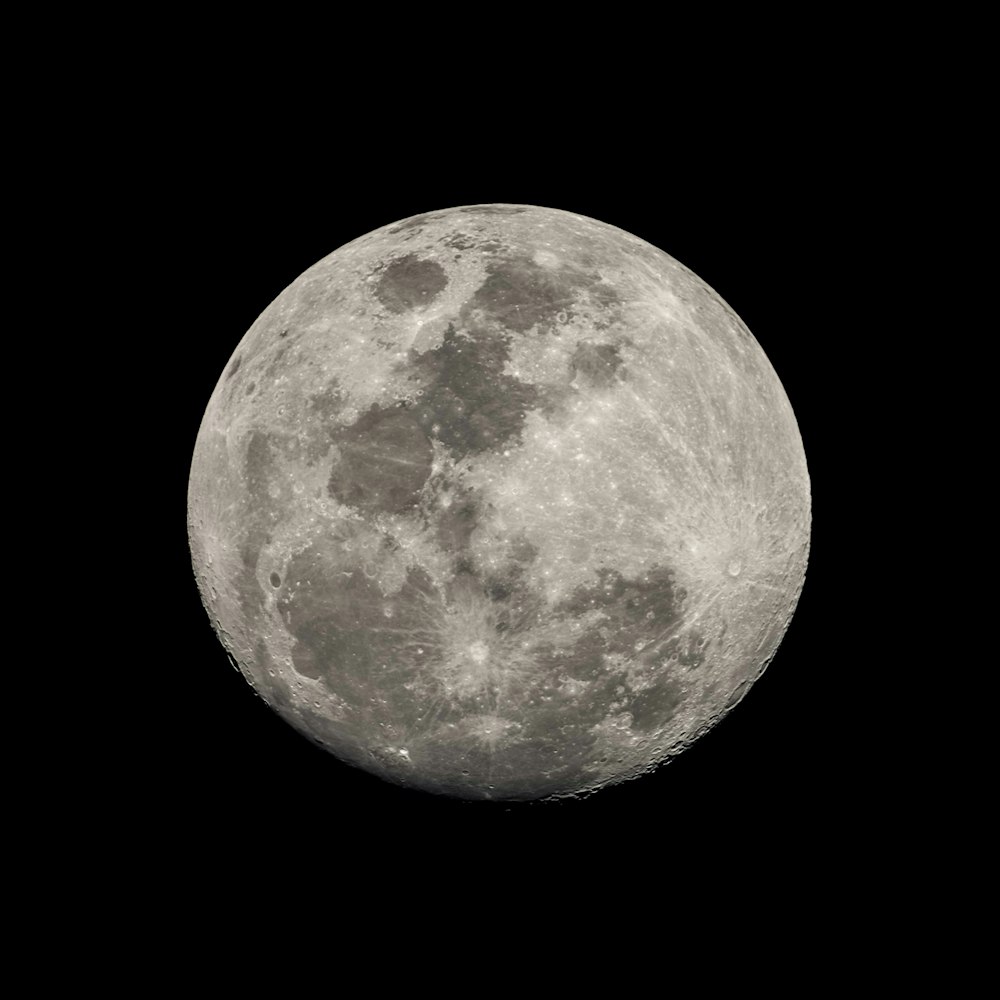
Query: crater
x=654 y=706
x=688 y=650
x=409 y=282
x=459 y=241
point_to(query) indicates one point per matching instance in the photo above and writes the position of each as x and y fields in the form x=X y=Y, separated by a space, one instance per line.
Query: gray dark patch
x=505 y=585
x=655 y=705
x=596 y=365
x=473 y=404
x=636 y=609
x=518 y=293
x=251 y=387
x=385 y=460
x=234 y=367
x=274 y=364
x=583 y=661
x=522 y=551
x=408 y=282
x=455 y=524
x=283 y=333
x=275 y=580
x=260 y=516
x=627 y=605
x=345 y=637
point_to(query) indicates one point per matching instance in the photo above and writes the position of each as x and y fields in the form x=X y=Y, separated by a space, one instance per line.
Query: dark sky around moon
x=767 y=239
x=190 y=174
x=198 y=174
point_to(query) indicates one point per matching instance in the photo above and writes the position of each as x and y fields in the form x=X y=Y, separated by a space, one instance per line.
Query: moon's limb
x=500 y=502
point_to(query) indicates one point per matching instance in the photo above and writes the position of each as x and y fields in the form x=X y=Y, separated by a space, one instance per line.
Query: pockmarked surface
x=500 y=502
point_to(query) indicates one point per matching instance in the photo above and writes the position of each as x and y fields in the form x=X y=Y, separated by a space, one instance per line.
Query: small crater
x=234 y=367
x=275 y=580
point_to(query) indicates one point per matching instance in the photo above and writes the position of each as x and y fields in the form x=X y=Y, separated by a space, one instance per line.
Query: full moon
x=500 y=502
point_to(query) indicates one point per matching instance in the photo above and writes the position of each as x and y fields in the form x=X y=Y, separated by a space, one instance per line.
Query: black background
x=768 y=220
x=818 y=173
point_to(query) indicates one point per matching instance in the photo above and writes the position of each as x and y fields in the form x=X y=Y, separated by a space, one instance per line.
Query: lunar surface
x=500 y=502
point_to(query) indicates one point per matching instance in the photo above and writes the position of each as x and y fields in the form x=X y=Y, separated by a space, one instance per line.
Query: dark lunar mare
x=408 y=282
x=469 y=403
x=385 y=459
x=378 y=655
x=598 y=365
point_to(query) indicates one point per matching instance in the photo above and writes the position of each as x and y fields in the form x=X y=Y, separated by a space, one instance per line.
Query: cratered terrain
x=500 y=502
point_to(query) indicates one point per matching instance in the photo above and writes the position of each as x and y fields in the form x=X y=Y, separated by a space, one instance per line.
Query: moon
x=500 y=502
